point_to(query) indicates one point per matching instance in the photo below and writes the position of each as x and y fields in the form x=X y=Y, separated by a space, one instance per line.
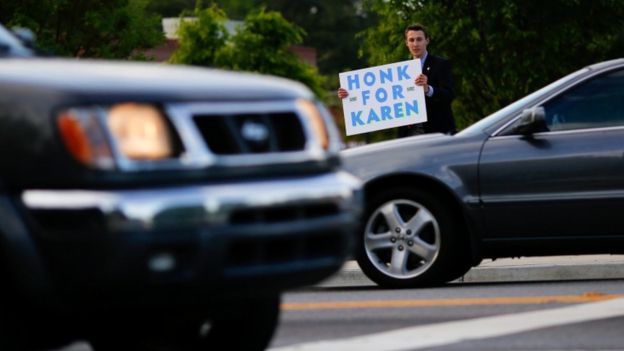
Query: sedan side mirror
x=532 y=120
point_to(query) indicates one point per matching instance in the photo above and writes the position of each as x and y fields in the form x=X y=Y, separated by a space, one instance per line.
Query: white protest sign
x=383 y=97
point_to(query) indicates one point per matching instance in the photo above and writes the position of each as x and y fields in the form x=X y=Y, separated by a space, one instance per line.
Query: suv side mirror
x=532 y=120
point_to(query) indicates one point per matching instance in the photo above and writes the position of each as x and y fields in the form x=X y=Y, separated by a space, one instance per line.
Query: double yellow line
x=519 y=300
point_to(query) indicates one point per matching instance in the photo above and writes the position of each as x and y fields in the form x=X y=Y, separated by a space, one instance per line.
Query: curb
x=511 y=270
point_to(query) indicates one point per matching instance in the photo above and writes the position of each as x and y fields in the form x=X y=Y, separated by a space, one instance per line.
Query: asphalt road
x=557 y=315
x=571 y=315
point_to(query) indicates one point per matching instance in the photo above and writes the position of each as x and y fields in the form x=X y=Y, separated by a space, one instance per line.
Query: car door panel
x=565 y=184
x=567 y=181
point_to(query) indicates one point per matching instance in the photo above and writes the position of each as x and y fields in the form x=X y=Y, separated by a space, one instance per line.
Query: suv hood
x=132 y=79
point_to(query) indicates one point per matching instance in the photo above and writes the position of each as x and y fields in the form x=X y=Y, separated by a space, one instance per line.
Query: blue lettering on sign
x=365 y=96
x=385 y=75
x=411 y=107
x=397 y=92
x=384 y=97
x=355 y=118
x=387 y=112
x=372 y=116
x=369 y=78
x=381 y=95
x=402 y=72
x=398 y=110
x=353 y=81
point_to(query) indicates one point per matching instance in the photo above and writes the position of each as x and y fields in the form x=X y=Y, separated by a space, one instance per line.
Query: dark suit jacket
x=439 y=113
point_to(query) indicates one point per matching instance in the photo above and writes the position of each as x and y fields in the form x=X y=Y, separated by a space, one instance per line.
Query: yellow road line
x=520 y=300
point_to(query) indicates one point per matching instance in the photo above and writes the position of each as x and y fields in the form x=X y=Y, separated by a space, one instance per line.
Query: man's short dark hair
x=417 y=27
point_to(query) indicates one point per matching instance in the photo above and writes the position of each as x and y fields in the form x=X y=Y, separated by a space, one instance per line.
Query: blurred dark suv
x=152 y=206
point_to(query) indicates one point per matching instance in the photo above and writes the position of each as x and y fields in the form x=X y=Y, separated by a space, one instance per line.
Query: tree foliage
x=331 y=26
x=95 y=28
x=262 y=44
x=202 y=38
x=501 y=50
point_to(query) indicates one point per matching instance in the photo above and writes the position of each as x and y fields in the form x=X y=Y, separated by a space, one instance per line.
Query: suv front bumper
x=227 y=237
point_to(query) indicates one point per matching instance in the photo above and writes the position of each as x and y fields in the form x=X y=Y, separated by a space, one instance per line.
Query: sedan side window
x=594 y=104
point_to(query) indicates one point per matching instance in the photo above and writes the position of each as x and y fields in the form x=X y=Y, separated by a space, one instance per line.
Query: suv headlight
x=135 y=131
x=140 y=131
x=316 y=122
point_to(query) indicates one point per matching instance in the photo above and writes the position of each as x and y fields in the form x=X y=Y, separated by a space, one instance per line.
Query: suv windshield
x=10 y=46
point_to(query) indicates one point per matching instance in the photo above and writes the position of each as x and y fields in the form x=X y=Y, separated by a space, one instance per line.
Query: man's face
x=416 y=42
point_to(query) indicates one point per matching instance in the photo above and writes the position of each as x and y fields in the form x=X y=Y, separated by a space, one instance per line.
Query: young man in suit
x=437 y=81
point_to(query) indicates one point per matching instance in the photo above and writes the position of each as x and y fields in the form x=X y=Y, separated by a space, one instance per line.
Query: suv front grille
x=283 y=213
x=251 y=133
x=267 y=251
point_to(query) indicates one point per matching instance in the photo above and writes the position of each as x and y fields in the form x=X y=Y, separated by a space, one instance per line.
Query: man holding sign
x=381 y=99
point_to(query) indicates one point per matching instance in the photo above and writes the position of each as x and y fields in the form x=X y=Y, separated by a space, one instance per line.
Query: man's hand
x=422 y=80
x=342 y=93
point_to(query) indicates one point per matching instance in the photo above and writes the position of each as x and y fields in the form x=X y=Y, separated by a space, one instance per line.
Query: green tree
x=202 y=38
x=501 y=50
x=262 y=44
x=332 y=27
x=97 y=28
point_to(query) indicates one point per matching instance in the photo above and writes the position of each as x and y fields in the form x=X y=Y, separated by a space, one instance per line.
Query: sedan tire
x=411 y=238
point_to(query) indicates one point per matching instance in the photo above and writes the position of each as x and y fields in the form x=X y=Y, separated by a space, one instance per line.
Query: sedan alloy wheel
x=402 y=239
x=411 y=238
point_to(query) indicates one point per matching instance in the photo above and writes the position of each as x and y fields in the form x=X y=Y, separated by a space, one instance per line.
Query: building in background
x=170 y=28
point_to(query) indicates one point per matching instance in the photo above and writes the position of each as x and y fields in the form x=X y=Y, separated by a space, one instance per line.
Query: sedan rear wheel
x=410 y=239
